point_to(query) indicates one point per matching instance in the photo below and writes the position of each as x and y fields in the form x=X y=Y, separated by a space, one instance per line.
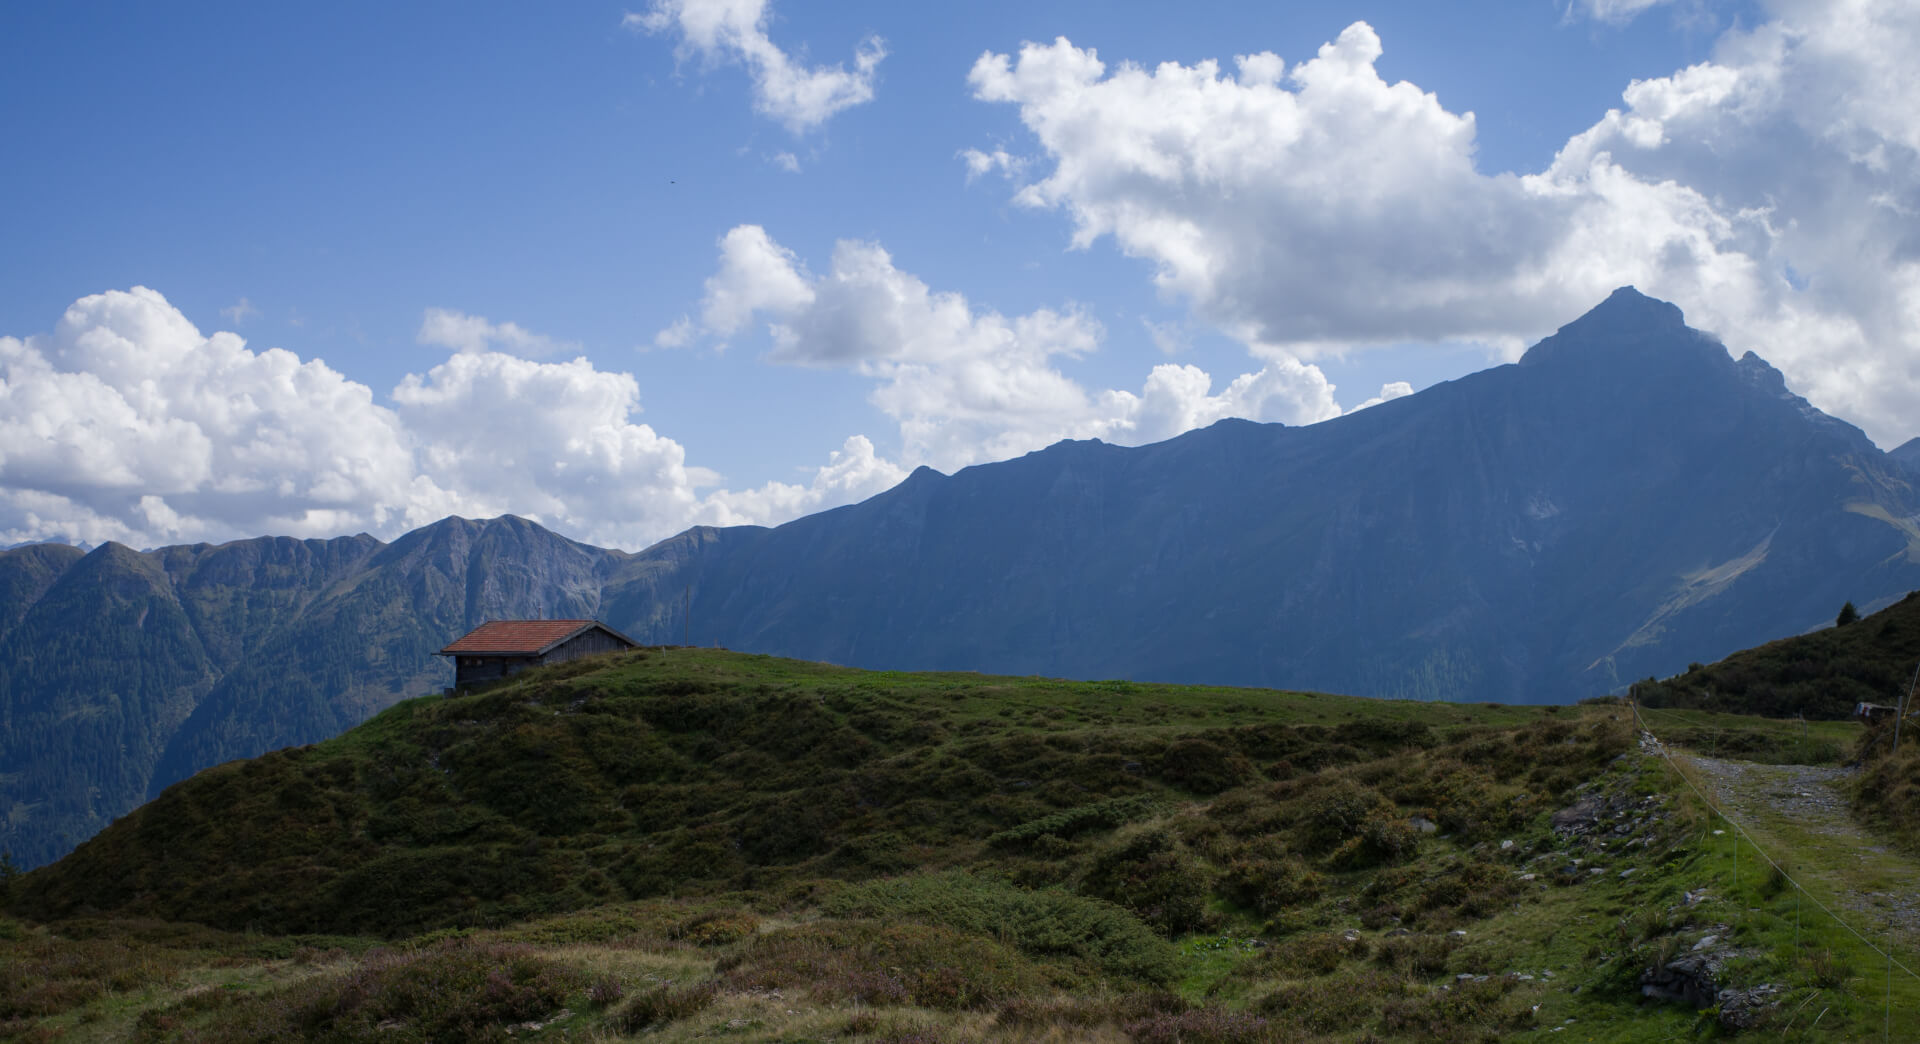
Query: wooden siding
x=588 y=643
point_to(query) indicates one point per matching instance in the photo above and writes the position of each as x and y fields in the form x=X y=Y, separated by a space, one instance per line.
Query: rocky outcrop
x=1696 y=980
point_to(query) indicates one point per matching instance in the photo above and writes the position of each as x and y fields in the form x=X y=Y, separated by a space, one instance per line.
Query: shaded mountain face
x=123 y=671
x=1907 y=455
x=1624 y=500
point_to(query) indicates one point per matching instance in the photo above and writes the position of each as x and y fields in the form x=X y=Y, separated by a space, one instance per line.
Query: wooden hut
x=502 y=648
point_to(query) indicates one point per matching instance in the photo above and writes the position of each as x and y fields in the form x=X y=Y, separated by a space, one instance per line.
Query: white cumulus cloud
x=799 y=96
x=998 y=161
x=852 y=473
x=967 y=385
x=472 y=333
x=127 y=423
x=1388 y=392
x=1770 y=192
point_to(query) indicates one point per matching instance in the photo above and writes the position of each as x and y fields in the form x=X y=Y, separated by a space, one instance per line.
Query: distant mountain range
x=1624 y=500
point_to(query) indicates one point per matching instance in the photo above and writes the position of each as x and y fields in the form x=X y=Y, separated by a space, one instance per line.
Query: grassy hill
x=1820 y=675
x=690 y=843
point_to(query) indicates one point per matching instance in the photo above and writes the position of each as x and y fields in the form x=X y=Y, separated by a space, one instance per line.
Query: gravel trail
x=1800 y=815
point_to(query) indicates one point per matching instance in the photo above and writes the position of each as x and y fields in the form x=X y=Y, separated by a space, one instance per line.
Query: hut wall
x=478 y=670
x=591 y=643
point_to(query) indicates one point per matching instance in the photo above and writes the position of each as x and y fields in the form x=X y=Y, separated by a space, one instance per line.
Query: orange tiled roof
x=521 y=637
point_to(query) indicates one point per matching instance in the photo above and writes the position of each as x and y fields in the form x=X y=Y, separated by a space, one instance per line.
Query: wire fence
x=1742 y=831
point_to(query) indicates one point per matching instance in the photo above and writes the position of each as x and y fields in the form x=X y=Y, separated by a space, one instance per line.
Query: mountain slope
x=126 y=671
x=1821 y=675
x=1626 y=498
x=368 y=639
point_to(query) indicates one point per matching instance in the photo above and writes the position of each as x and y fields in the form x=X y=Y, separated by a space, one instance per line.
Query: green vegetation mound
x=688 y=772
x=1821 y=675
x=690 y=844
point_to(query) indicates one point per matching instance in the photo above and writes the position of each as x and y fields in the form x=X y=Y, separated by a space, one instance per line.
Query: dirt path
x=1799 y=814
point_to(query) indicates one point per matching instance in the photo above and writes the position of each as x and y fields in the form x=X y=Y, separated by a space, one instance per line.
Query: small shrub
x=1044 y=923
x=1330 y=1005
x=1269 y=886
x=1468 y=1010
x=1337 y=812
x=1828 y=970
x=1203 y=767
x=605 y=992
x=1774 y=881
x=1641 y=925
x=1066 y=824
x=1152 y=875
x=1320 y=953
x=872 y=963
x=716 y=928
x=664 y=1004
x=1474 y=888
x=1386 y=837
x=1415 y=954
x=1374 y=918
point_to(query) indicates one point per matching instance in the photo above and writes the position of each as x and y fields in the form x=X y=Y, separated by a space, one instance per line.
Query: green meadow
x=680 y=844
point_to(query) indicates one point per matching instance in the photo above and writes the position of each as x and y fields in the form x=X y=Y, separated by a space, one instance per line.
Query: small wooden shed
x=502 y=648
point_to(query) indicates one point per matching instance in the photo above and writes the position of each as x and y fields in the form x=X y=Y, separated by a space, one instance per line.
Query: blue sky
x=627 y=268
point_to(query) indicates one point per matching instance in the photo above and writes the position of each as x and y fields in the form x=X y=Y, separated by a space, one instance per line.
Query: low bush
x=715 y=928
x=1887 y=792
x=455 y=990
x=1424 y=955
x=1330 y=1005
x=1152 y=875
x=1827 y=969
x=1386 y=837
x=1041 y=923
x=665 y=1004
x=1470 y=888
x=1466 y=1010
x=1268 y=886
x=1334 y=812
x=1204 y=767
x=1319 y=953
x=873 y=963
x=1071 y=822
x=43 y=975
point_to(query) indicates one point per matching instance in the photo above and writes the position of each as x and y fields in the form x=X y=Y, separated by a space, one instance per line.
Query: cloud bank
x=127 y=423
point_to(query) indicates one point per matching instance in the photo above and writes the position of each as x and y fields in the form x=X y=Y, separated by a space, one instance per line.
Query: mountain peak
x=1628 y=311
x=1907 y=455
x=1628 y=300
x=1628 y=324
